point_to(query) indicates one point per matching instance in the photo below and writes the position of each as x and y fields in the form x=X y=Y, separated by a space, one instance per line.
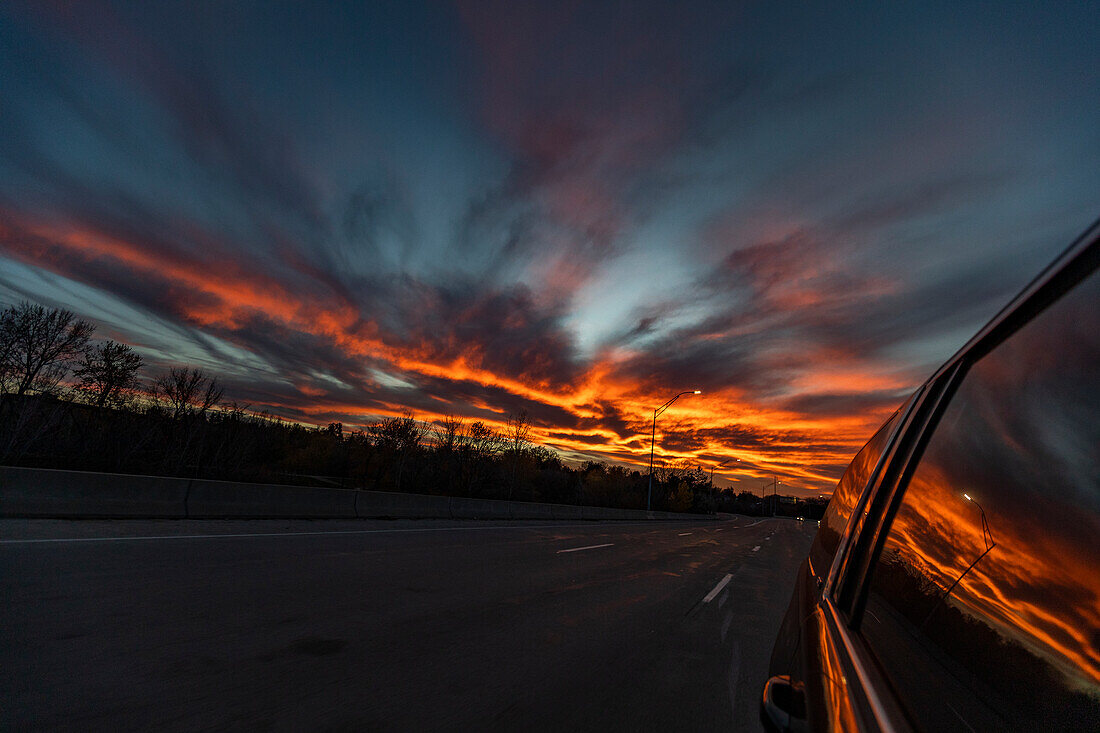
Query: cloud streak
x=568 y=210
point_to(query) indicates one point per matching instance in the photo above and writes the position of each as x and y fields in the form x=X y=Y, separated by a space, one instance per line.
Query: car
x=954 y=581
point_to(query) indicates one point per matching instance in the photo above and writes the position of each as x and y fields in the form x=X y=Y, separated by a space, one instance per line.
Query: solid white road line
x=303 y=534
x=717 y=589
x=589 y=547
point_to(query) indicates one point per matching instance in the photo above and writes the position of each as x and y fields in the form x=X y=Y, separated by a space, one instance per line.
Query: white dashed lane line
x=685 y=534
x=717 y=589
x=589 y=547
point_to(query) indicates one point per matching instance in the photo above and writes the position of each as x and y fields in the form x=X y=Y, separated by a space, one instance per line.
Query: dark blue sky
x=477 y=208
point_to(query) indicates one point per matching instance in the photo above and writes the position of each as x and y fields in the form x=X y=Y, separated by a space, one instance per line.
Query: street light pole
x=774 y=483
x=987 y=539
x=987 y=536
x=652 y=437
x=711 y=480
x=719 y=466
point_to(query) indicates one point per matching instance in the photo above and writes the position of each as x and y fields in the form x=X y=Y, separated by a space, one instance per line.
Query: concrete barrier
x=566 y=511
x=217 y=499
x=531 y=510
x=599 y=512
x=39 y=492
x=414 y=506
x=465 y=508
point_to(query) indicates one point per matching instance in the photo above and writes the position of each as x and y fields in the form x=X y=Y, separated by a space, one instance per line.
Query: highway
x=390 y=625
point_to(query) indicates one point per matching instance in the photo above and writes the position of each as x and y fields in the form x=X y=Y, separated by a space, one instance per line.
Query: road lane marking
x=733 y=676
x=589 y=547
x=756 y=548
x=726 y=624
x=956 y=712
x=717 y=589
x=57 y=540
x=685 y=534
x=751 y=525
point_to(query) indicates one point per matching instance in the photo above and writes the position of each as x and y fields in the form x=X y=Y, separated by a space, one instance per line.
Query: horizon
x=479 y=209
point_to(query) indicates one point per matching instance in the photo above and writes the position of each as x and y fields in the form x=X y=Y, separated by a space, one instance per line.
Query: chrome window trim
x=885 y=721
x=865 y=494
x=938 y=393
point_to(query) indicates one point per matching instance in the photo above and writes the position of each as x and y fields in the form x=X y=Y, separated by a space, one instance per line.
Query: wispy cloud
x=566 y=209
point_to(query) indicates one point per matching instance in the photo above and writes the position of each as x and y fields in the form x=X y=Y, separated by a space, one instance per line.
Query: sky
x=574 y=209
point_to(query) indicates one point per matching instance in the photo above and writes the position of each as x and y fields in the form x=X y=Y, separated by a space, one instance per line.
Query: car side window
x=983 y=610
x=845 y=496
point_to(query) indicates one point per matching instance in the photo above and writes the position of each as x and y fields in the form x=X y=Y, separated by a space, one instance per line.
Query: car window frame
x=844 y=595
x=853 y=526
x=1080 y=260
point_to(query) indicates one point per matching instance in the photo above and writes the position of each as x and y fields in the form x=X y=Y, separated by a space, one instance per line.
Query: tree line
x=69 y=402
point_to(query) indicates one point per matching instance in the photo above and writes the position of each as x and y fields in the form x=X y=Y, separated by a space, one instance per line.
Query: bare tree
x=7 y=350
x=479 y=446
x=400 y=436
x=519 y=427
x=107 y=372
x=481 y=441
x=186 y=391
x=447 y=433
x=38 y=346
x=517 y=432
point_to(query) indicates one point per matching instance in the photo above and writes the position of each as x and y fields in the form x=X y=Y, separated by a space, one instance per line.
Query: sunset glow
x=473 y=209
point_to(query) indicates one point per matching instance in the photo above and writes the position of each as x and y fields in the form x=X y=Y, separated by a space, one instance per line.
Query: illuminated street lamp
x=710 y=482
x=987 y=536
x=774 y=483
x=652 y=437
x=719 y=466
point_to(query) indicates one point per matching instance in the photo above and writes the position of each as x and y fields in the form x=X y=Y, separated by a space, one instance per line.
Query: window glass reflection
x=984 y=609
x=845 y=496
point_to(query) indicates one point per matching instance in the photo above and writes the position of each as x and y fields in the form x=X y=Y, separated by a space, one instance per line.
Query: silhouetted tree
x=447 y=433
x=479 y=446
x=107 y=372
x=481 y=440
x=398 y=437
x=186 y=434
x=184 y=391
x=519 y=427
x=38 y=346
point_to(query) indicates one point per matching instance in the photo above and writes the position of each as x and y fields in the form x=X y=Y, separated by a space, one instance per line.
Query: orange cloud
x=227 y=296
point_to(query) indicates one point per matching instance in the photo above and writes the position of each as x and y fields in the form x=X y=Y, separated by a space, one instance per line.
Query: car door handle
x=783 y=706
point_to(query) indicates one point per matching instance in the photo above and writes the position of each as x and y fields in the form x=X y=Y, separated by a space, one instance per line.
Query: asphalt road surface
x=402 y=625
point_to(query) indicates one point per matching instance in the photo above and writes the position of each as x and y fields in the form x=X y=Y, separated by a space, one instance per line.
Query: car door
x=964 y=591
